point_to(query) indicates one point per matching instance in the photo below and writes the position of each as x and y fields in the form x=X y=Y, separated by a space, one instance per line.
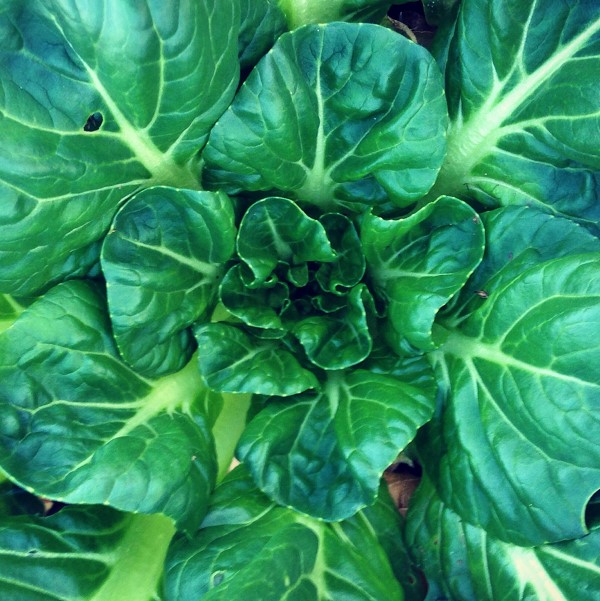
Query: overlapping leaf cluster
x=360 y=251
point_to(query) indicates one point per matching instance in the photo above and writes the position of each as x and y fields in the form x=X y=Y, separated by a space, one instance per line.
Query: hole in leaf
x=592 y=510
x=216 y=578
x=93 y=122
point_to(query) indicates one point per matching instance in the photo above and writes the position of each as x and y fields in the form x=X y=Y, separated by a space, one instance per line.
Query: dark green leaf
x=275 y=230
x=79 y=426
x=337 y=115
x=324 y=453
x=91 y=554
x=231 y=360
x=463 y=562
x=262 y=22
x=260 y=307
x=338 y=339
x=520 y=428
x=523 y=99
x=348 y=267
x=418 y=263
x=139 y=68
x=163 y=260
x=249 y=548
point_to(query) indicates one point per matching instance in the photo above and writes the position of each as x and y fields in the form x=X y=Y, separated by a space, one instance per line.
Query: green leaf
x=231 y=360
x=262 y=22
x=348 y=267
x=518 y=237
x=523 y=100
x=249 y=548
x=418 y=263
x=163 y=259
x=91 y=554
x=324 y=453
x=338 y=115
x=301 y=12
x=519 y=427
x=341 y=338
x=99 y=100
x=79 y=426
x=261 y=306
x=10 y=309
x=275 y=230
x=463 y=562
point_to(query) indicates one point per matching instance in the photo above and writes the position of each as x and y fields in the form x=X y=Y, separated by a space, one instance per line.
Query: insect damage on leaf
x=93 y=122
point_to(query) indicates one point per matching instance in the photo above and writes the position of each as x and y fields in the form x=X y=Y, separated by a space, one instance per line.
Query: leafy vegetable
x=364 y=255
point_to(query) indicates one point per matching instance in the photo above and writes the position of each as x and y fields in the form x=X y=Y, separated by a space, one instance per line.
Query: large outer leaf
x=516 y=448
x=463 y=562
x=144 y=67
x=79 y=426
x=163 y=259
x=324 y=453
x=249 y=548
x=338 y=114
x=418 y=263
x=523 y=96
x=83 y=554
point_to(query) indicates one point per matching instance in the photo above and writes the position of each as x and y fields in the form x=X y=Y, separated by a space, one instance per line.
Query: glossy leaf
x=91 y=554
x=249 y=548
x=523 y=99
x=324 y=453
x=418 y=263
x=341 y=338
x=260 y=307
x=231 y=360
x=463 y=562
x=262 y=22
x=79 y=426
x=348 y=267
x=163 y=260
x=275 y=230
x=520 y=406
x=98 y=100
x=518 y=237
x=339 y=115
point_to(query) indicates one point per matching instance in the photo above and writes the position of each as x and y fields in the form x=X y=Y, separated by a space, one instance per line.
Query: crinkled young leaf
x=79 y=426
x=520 y=425
x=463 y=562
x=261 y=23
x=523 y=97
x=348 y=267
x=324 y=453
x=338 y=115
x=418 y=263
x=83 y=554
x=260 y=307
x=275 y=230
x=250 y=548
x=301 y=12
x=99 y=99
x=231 y=360
x=162 y=260
x=339 y=339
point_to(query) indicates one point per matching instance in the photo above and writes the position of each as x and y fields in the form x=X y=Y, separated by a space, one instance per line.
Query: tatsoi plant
x=352 y=252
